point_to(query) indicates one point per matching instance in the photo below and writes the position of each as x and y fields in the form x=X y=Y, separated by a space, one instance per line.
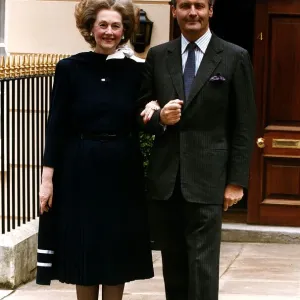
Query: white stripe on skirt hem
x=40 y=264
x=45 y=251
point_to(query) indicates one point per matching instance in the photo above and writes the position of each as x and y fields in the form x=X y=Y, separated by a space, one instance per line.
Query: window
x=2 y=27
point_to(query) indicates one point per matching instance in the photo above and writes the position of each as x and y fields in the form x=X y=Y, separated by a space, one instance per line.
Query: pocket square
x=217 y=77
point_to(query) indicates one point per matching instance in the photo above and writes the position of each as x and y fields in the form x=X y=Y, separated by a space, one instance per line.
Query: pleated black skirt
x=97 y=230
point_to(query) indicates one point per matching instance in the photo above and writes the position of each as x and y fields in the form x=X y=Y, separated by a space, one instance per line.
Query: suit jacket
x=211 y=145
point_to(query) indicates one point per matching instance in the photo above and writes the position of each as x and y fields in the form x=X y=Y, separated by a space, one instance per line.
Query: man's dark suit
x=195 y=159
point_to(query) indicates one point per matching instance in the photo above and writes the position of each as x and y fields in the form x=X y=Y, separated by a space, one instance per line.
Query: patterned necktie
x=190 y=69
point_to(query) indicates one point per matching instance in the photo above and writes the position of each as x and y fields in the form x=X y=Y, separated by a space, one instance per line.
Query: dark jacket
x=211 y=145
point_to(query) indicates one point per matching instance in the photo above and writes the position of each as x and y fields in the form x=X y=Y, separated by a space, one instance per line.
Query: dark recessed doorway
x=233 y=21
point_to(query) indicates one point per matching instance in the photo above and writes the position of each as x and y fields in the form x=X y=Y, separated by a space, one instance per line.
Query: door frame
x=260 y=50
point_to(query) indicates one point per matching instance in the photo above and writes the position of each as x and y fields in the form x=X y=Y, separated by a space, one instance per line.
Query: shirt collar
x=202 y=42
x=122 y=52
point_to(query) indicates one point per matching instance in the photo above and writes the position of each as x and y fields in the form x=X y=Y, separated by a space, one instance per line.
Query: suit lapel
x=174 y=63
x=210 y=61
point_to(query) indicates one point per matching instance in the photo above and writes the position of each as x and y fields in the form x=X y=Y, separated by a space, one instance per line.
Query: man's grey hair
x=210 y=2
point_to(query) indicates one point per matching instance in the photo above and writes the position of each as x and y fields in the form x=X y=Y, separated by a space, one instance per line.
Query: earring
x=123 y=37
x=91 y=34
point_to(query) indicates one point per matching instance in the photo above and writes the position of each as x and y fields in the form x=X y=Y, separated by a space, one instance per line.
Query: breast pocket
x=216 y=94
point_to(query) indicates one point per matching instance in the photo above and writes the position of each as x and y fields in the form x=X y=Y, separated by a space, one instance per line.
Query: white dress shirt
x=202 y=44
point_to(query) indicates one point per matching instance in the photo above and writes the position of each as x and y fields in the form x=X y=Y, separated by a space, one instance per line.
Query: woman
x=93 y=228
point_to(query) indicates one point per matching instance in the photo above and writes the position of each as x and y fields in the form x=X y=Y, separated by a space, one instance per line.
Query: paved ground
x=247 y=272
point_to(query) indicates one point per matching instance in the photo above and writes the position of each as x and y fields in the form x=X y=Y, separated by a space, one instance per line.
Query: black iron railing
x=25 y=87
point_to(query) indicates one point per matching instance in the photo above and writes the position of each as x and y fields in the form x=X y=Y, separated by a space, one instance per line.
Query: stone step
x=244 y=233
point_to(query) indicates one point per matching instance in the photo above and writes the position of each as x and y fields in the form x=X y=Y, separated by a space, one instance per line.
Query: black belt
x=103 y=136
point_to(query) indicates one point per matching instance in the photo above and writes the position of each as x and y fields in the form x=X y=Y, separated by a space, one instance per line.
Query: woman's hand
x=46 y=190
x=149 y=110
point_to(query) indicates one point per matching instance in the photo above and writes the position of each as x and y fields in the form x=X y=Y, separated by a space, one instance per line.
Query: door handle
x=260 y=142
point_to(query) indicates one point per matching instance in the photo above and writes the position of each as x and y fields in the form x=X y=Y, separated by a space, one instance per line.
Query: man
x=200 y=159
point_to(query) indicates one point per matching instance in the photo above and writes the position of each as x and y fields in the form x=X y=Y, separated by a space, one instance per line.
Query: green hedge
x=146 y=141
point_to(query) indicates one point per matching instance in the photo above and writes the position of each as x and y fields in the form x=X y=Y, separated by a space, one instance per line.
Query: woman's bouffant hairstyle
x=86 y=12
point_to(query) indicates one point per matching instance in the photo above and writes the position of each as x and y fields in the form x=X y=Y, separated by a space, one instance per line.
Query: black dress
x=96 y=231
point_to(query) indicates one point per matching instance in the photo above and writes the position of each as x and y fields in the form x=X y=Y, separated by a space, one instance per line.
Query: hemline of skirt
x=100 y=282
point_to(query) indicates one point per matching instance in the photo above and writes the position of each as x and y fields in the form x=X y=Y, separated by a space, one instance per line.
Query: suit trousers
x=189 y=237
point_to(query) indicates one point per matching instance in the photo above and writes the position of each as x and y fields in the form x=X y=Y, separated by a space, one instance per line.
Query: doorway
x=233 y=21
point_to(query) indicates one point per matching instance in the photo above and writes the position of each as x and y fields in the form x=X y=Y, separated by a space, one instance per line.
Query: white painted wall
x=39 y=26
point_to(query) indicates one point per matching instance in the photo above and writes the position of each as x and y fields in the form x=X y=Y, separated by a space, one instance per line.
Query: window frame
x=2 y=28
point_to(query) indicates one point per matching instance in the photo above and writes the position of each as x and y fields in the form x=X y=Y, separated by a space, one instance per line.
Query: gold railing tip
x=12 y=66
x=36 y=64
x=53 y=59
x=21 y=65
x=18 y=64
x=6 y=66
x=7 y=61
x=36 y=59
x=53 y=62
x=29 y=64
x=43 y=68
x=41 y=63
x=48 y=63
x=17 y=60
x=2 y=63
x=44 y=58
